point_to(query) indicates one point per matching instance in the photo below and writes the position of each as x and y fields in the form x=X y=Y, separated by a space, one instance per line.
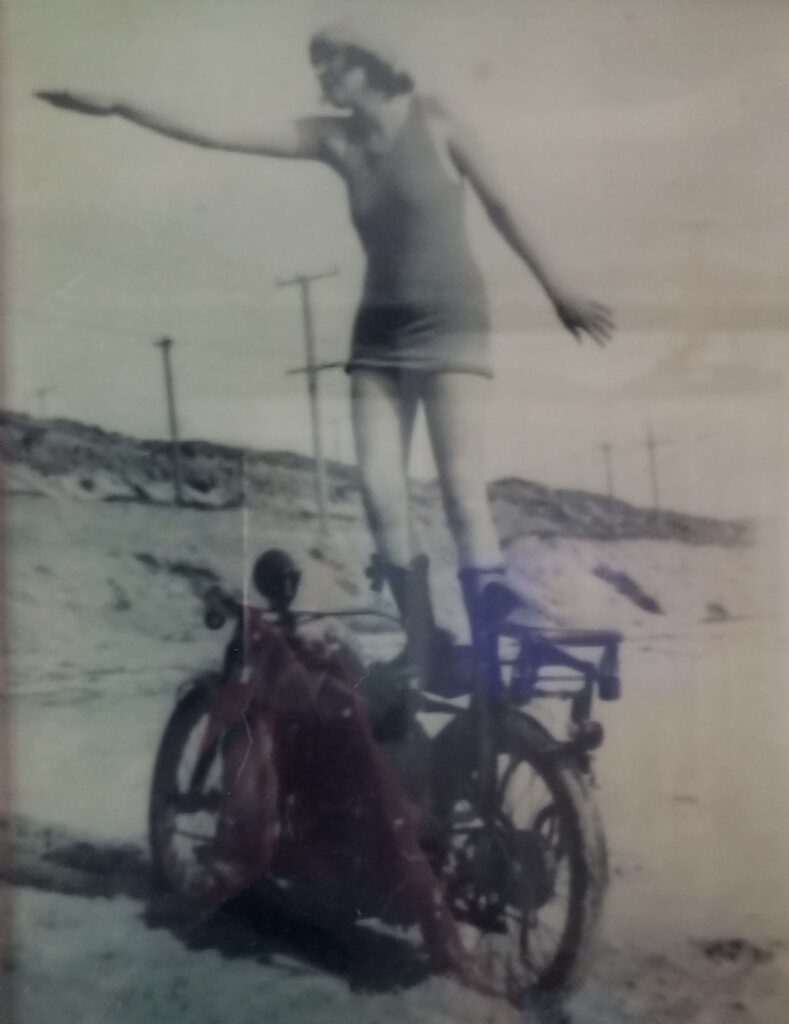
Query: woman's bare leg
x=456 y=412
x=383 y=408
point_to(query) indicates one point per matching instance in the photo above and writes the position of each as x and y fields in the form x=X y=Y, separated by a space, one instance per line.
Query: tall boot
x=489 y=600
x=391 y=687
x=425 y=642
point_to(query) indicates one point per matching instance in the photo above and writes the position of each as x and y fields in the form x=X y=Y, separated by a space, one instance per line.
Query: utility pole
x=653 y=469
x=304 y=282
x=41 y=395
x=609 y=484
x=165 y=344
x=652 y=445
x=609 y=470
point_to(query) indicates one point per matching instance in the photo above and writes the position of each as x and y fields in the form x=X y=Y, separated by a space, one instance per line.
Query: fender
x=589 y=736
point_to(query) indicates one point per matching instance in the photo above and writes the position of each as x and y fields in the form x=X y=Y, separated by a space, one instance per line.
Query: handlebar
x=219 y=606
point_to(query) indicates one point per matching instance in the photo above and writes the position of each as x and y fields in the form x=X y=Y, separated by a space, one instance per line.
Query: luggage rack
x=538 y=649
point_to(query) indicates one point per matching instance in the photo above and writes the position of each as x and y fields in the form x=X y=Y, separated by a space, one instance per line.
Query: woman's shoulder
x=438 y=110
x=449 y=122
x=445 y=119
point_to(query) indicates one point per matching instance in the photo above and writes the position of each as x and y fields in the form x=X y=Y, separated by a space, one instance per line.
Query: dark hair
x=380 y=75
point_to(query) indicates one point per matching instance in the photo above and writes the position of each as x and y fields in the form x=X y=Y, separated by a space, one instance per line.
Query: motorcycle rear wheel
x=527 y=891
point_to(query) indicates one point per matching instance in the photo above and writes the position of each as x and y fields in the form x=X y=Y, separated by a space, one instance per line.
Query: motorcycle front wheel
x=526 y=885
x=186 y=795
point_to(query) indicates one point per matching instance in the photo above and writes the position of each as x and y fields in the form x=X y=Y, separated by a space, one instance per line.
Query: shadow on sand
x=54 y=860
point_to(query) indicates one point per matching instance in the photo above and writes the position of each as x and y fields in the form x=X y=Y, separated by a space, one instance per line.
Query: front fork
x=485 y=698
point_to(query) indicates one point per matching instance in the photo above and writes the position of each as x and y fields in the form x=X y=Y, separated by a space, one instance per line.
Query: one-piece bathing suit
x=423 y=306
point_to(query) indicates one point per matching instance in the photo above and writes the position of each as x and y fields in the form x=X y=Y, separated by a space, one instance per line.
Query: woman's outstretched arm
x=578 y=314
x=304 y=138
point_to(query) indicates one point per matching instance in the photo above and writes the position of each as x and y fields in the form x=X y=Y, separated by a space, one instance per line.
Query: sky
x=646 y=141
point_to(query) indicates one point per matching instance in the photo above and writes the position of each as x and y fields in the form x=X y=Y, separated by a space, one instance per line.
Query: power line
x=338 y=364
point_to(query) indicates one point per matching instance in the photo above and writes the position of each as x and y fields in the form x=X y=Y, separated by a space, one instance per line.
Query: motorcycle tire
x=548 y=860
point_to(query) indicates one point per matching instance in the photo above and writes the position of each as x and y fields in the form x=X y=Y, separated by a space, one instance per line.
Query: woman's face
x=342 y=82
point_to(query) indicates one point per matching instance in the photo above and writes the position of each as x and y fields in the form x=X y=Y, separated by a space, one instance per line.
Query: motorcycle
x=500 y=807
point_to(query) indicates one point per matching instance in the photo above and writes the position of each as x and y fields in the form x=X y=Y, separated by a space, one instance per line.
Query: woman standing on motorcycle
x=421 y=333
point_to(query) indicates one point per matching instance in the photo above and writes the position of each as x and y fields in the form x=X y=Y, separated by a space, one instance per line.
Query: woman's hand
x=82 y=103
x=581 y=316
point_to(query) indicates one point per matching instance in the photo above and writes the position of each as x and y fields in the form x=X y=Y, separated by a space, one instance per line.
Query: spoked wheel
x=186 y=798
x=527 y=888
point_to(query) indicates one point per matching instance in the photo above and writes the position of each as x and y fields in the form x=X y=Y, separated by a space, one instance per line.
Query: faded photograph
x=394 y=488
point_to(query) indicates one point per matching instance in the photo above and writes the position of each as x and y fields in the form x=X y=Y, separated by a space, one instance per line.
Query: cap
x=366 y=36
